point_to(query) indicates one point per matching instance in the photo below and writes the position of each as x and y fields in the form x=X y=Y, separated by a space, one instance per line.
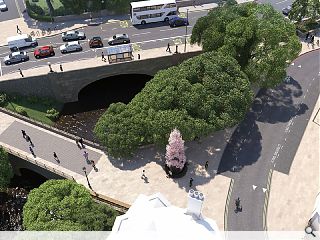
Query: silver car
x=72 y=35
x=119 y=39
x=71 y=47
x=3 y=6
x=16 y=57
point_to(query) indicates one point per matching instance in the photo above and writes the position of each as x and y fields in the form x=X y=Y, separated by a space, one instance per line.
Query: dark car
x=119 y=39
x=95 y=42
x=44 y=51
x=178 y=21
x=285 y=11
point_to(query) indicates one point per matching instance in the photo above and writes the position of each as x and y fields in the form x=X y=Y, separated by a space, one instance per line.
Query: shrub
x=21 y=110
x=52 y=114
x=3 y=99
x=37 y=9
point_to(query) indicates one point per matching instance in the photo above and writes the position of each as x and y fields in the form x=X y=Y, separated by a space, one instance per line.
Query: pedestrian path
x=45 y=143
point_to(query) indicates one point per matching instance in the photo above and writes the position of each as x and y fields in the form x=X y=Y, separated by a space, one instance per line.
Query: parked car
x=16 y=57
x=119 y=39
x=286 y=10
x=71 y=47
x=95 y=42
x=73 y=35
x=178 y=21
x=44 y=51
x=3 y=6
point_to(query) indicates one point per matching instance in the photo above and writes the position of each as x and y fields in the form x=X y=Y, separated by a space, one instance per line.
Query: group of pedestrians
x=79 y=143
x=310 y=39
x=169 y=49
x=28 y=139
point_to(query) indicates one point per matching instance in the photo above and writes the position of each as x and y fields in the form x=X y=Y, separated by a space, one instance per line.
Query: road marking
x=264 y=190
x=282 y=2
x=137 y=34
x=304 y=96
x=227 y=205
x=161 y=39
x=170 y=29
x=299 y=66
x=113 y=29
x=124 y=24
x=0 y=69
x=254 y=187
x=18 y=8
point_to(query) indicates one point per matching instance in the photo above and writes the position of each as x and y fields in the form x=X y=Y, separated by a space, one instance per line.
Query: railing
x=53 y=129
x=118 y=205
x=38 y=163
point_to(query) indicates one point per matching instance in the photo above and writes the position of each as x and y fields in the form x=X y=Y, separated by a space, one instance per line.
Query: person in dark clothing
x=24 y=134
x=190 y=182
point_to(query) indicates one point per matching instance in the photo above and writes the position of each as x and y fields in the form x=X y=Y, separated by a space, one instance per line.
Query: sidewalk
x=301 y=186
x=95 y=62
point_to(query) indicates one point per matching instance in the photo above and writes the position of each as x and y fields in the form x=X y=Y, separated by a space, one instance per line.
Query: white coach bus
x=152 y=11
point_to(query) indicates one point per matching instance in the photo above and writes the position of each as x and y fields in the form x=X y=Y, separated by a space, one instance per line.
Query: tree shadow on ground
x=244 y=147
x=278 y=105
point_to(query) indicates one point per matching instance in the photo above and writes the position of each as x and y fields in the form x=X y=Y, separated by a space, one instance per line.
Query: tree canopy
x=64 y=205
x=6 y=172
x=203 y=94
x=256 y=35
x=304 y=9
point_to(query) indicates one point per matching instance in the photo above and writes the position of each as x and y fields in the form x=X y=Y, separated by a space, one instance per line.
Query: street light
x=85 y=173
x=185 y=38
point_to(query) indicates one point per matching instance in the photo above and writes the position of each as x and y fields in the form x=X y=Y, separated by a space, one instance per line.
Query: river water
x=79 y=118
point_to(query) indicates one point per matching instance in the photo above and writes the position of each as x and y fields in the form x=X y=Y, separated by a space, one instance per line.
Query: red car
x=44 y=51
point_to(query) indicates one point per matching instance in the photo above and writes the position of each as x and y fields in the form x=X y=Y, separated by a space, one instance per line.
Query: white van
x=21 y=41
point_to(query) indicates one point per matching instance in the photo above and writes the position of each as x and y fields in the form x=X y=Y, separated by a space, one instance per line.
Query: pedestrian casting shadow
x=197 y=154
x=279 y=104
x=244 y=147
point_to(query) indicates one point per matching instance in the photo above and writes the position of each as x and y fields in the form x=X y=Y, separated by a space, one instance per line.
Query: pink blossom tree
x=175 y=155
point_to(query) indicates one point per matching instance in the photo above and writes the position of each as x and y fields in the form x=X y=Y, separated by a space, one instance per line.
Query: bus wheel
x=166 y=19
x=143 y=22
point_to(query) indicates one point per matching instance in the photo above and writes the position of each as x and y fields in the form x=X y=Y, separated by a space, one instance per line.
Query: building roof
x=150 y=3
x=125 y=48
x=154 y=218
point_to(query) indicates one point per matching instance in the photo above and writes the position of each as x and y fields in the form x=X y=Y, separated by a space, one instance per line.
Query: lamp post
x=85 y=173
x=185 y=38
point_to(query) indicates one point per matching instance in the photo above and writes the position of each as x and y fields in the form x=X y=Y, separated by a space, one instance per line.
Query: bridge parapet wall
x=65 y=86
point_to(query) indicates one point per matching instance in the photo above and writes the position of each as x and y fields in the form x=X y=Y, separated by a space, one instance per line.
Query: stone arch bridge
x=65 y=86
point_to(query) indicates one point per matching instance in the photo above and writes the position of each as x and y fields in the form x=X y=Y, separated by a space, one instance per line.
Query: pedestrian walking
x=206 y=165
x=20 y=71
x=94 y=166
x=194 y=3
x=102 y=57
x=143 y=176
x=24 y=135
x=18 y=30
x=176 y=49
x=318 y=42
x=307 y=36
x=168 y=48
x=190 y=182
x=55 y=155
x=32 y=152
x=312 y=39
x=29 y=140
x=61 y=69
x=86 y=155
x=81 y=142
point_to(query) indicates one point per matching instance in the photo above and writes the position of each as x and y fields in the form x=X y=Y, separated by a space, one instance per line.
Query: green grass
x=36 y=110
x=43 y=4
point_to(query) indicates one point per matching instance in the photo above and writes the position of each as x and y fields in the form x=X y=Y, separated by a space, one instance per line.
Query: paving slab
x=70 y=156
x=292 y=197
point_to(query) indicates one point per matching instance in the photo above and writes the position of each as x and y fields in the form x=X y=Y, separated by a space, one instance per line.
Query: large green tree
x=6 y=172
x=256 y=35
x=304 y=9
x=203 y=94
x=64 y=205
